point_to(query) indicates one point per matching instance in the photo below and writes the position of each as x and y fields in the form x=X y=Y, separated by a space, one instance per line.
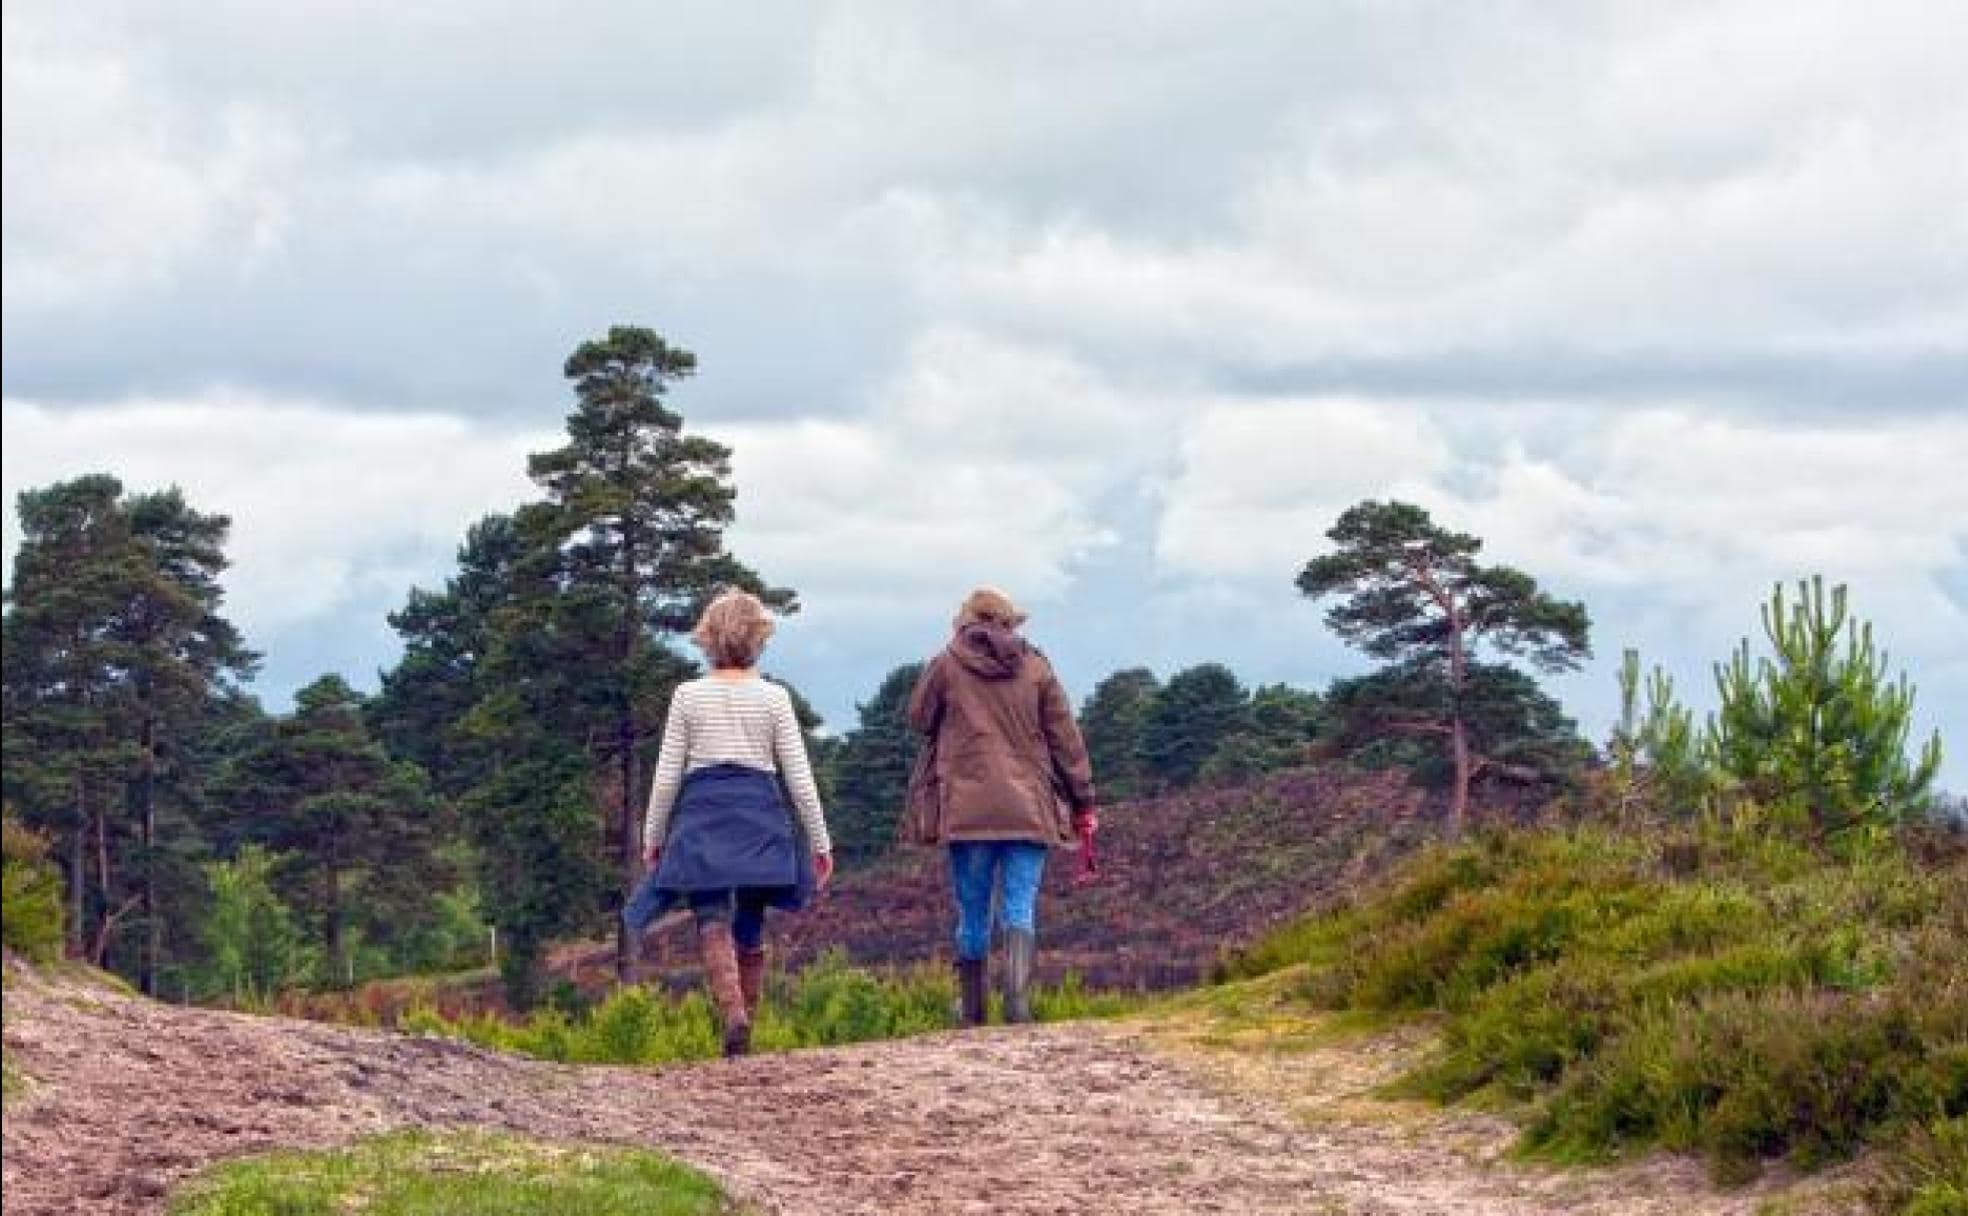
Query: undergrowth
x=1719 y=991
x=827 y=1003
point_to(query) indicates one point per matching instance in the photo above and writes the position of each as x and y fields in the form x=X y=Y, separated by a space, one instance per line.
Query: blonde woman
x=1003 y=777
x=718 y=835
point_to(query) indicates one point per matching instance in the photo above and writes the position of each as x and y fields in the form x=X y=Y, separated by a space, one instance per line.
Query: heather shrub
x=1717 y=990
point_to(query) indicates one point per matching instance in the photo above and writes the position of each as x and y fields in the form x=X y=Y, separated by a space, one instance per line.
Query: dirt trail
x=129 y=1097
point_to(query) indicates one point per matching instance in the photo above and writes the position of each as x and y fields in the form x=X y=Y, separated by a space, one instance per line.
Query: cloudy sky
x=1115 y=305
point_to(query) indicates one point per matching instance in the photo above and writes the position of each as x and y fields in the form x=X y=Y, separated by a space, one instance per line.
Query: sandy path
x=131 y=1096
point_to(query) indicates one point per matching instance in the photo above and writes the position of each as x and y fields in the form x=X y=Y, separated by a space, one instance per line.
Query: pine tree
x=870 y=770
x=1279 y=728
x=115 y=652
x=1413 y=593
x=635 y=514
x=1191 y=717
x=1114 y=720
x=360 y=831
x=1655 y=750
x=182 y=653
x=1818 y=724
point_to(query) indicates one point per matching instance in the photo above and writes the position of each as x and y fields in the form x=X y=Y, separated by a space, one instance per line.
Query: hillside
x=1183 y=878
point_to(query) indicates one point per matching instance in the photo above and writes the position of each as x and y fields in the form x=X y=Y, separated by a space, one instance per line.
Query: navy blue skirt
x=730 y=830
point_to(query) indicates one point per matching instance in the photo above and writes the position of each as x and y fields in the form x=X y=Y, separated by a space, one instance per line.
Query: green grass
x=420 y=1174
x=826 y=1004
x=1721 y=992
x=30 y=894
x=13 y=1082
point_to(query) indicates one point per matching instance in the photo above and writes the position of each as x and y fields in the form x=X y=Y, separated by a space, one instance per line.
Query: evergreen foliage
x=535 y=684
x=1817 y=726
x=1114 y=722
x=1656 y=750
x=870 y=769
x=1199 y=708
x=1279 y=728
x=115 y=656
x=360 y=832
x=1411 y=593
x=1393 y=717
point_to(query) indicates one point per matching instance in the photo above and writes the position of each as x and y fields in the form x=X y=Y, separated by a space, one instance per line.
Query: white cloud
x=110 y=186
x=978 y=462
x=1670 y=524
x=334 y=514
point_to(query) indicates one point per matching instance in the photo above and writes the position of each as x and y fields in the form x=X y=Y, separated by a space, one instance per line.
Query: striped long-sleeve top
x=749 y=722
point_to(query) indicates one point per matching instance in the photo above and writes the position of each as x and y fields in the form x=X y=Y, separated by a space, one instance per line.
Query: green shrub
x=30 y=894
x=1722 y=992
x=830 y=1002
x=1929 y=1176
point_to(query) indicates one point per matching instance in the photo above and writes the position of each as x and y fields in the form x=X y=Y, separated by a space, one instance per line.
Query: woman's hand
x=823 y=869
x=1085 y=822
x=652 y=855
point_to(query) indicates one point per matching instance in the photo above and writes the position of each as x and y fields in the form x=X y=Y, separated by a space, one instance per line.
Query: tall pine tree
x=116 y=652
x=1412 y=592
x=635 y=512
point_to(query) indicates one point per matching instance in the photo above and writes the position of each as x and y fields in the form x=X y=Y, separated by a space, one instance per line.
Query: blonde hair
x=988 y=604
x=733 y=630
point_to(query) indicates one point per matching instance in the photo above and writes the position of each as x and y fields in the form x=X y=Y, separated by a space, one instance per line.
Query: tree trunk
x=102 y=872
x=625 y=945
x=1459 y=731
x=336 y=968
x=625 y=638
x=1459 y=799
x=146 y=794
x=78 y=873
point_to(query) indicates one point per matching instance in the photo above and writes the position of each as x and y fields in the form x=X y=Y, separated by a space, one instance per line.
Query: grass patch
x=826 y=1004
x=13 y=1082
x=420 y=1174
x=1719 y=992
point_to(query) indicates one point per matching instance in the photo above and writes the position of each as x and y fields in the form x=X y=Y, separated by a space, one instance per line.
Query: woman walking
x=717 y=835
x=1003 y=776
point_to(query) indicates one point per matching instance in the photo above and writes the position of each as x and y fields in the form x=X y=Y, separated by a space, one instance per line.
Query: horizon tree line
x=496 y=776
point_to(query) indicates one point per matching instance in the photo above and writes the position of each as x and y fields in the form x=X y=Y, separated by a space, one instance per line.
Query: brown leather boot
x=970 y=991
x=751 y=979
x=721 y=976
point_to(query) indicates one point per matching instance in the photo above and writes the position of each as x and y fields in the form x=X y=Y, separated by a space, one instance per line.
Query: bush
x=30 y=894
x=1727 y=993
x=1929 y=1176
x=253 y=946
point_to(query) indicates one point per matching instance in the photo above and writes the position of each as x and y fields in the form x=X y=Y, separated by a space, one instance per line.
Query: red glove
x=1087 y=825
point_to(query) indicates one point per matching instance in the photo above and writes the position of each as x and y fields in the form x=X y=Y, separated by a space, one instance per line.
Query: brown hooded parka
x=1003 y=758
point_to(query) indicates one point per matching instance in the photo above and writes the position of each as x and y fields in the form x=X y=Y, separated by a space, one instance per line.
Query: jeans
x=746 y=915
x=1010 y=869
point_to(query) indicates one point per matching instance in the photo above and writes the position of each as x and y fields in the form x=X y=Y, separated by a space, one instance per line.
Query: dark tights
x=745 y=915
